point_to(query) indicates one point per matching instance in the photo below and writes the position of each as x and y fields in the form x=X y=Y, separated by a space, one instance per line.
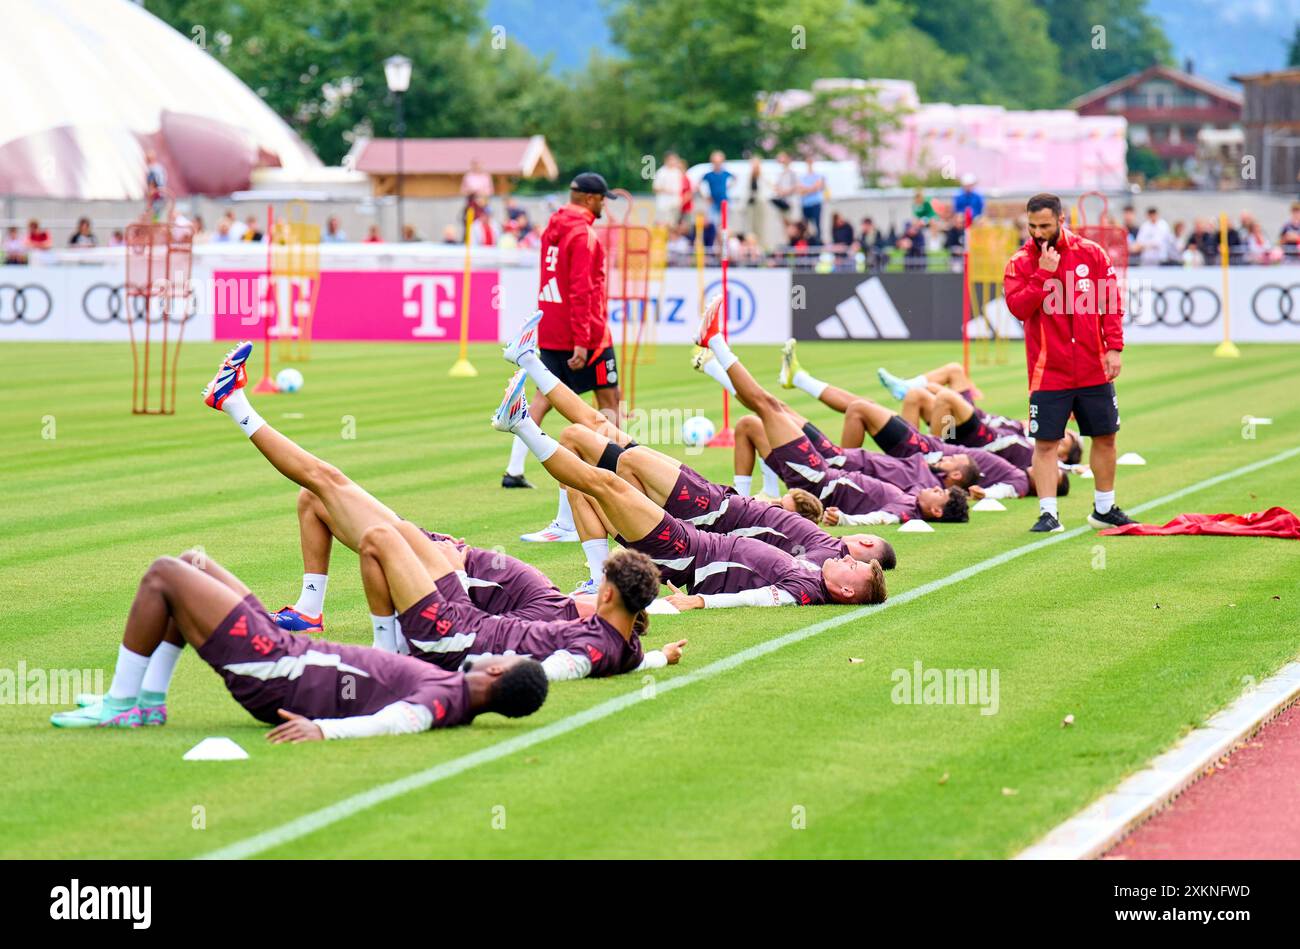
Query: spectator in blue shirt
x=968 y=197
x=714 y=186
x=811 y=188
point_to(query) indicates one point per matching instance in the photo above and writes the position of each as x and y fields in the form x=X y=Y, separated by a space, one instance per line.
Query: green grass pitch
x=797 y=753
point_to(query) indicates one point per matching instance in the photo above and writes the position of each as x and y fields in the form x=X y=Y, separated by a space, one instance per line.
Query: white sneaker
x=550 y=534
x=514 y=405
x=525 y=341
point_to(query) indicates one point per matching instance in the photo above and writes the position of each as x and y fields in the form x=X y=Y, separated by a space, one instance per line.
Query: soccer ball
x=288 y=380
x=697 y=430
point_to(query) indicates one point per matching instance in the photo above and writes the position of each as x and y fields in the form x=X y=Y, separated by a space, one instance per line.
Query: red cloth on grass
x=1275 y=522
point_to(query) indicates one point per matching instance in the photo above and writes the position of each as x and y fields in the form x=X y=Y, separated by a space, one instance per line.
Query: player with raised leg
x=717 y=569
x=309 y=689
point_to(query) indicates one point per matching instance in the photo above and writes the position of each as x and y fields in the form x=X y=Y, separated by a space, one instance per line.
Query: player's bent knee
x=377 y=538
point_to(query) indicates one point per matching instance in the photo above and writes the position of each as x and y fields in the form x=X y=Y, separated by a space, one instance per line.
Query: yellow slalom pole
x=699 y=255
x=1226 y=348
x=462 y=369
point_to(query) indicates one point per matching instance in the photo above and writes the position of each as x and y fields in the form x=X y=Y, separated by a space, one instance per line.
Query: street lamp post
x=397 y=72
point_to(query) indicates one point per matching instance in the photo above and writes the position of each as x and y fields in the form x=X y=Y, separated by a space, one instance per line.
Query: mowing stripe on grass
x=319 y=819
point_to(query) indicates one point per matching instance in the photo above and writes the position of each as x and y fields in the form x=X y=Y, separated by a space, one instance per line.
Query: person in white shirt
x=1154 y=240
x=668 y=190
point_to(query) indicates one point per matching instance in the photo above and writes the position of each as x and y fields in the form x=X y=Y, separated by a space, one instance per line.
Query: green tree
x=319 y=65
x=1293 y=52
x=853 y=119
x=1007 y=56
x=1132 y=40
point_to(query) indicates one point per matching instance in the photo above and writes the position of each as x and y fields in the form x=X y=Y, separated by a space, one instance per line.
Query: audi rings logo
x=1173 y=306
x=1274 y=304
x=105 y=302
x=29 y=303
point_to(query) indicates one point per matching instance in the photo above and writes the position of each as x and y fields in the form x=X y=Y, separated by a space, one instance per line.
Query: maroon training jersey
x=911 y=473
x=445 y=627
x=799 y=464
x=725 y=563
x=506 y=586
x=1004 y=437
x=267 y=668
x=715 y=509
x=993 y=469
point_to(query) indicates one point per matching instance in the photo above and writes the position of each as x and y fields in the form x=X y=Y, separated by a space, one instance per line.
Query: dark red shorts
x=799 y=464
x=442 y=628
x=247 y=635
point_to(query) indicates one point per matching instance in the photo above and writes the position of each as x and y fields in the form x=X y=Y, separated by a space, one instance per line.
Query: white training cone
x=916 y=526
x=215 y=749
x=1130 y=458
x=988 y=504
x=661 y=605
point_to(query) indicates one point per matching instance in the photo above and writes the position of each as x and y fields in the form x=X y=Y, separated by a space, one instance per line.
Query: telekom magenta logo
x=429 y=298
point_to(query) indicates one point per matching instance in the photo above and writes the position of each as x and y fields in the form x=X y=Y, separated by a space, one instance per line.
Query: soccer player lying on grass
x=679 y=490
x=717 y=569
x=307 y=688
x=690 y=497
x=850 y=497
x=443 y=627
x=352 y=514
x=945 y=398
x=332 y=505
x=496 y=582
x=997 y=476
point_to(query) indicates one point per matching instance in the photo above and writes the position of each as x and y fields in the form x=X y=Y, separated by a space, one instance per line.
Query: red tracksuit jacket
x=1072 y=317
x=572 y=292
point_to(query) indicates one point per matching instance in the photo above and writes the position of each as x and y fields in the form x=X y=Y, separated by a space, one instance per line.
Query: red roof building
x=434 y=167
x=1166 y=108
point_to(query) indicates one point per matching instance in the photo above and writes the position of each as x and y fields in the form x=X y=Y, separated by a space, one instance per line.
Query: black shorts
x=599 y=373
x=1095 y=407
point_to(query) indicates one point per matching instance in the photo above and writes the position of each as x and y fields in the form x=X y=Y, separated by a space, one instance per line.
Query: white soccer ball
x=288 y=380
x=697 y=430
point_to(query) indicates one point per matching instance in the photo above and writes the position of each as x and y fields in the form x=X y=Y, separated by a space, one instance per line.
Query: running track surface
x=1248 y=809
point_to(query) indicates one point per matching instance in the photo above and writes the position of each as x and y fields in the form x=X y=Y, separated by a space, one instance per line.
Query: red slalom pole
x=725 y=438
x=267 y=384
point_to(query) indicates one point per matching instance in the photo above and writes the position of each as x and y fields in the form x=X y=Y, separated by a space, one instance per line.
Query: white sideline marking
x=1104 y=823
x=316 y=820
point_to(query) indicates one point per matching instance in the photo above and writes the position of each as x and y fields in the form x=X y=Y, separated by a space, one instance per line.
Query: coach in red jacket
x=1064 y=289
x=573 y=338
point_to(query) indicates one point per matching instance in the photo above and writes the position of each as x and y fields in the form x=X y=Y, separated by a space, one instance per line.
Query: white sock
x=564 y=513
x=158 y=674
x=743 y=484
x=518 y=453
x=543 y=378
x=311 y=601
x=597 y=552
x=385 y=629
x=713 y=369
x=1047 y=506
x=771 y=483
x=542 y=446
x=128 y=675
x=241 y=410
x=917 y=382
x=814 y=387
x=722 y=352
x=1105 y=500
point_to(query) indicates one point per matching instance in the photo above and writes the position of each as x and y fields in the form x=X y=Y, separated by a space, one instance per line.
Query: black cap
x=589 y=183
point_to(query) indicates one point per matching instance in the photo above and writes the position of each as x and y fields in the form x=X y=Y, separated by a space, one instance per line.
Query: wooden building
x=435 y=167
